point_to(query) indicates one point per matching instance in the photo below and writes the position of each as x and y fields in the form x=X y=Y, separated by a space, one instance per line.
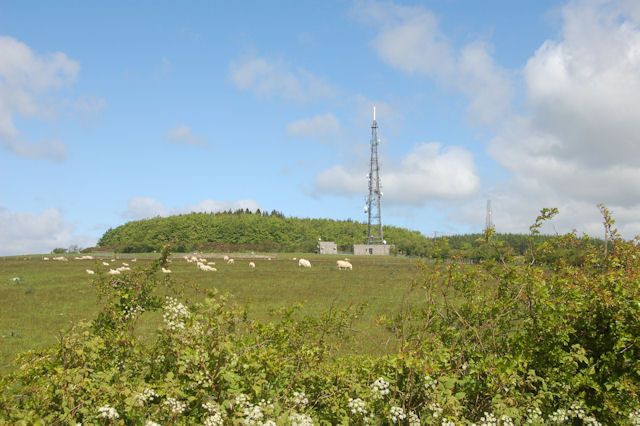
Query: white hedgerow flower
x=559 y=416
x=108 y=412
x=252 y=414
x=300 y=399
x=436 y=409
x=175 y=405
x=145 y=396
x=414 y=420
x=447 y=422
x=506 y=420
x=534 y=415
x=380 y=388
x=151 y=423
x=488 y=419
x=298 y=419
x=430 y=383
x=214 y=420
x=174 y=314
x=397 y=414
x=634 y=417
x=357 y=406
x=269 y=423
x=241 y=401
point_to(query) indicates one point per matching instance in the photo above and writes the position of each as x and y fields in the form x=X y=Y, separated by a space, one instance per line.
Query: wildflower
x=300 y=399
x=436 y=409
x=174 y=314
x=145 y=396
x=252 y=414
x=108 y=412
x=151 y=423
x=397 y=414
x=269 y=423
x=430 y=383
x=357 y=406
x=447 y=422
x=175 y=406
x=559 y=416
x=488 y=419
x=634 y=417
x=534 y=415
x=506 y=420
x=380 y=388
x=300 y=420
x=414 y=420
x=214 y=420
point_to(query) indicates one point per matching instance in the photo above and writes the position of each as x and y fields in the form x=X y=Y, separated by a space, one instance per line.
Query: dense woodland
x=244 y=230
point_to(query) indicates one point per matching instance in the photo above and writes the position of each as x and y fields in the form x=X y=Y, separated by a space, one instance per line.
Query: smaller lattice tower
x=489 y=218
x=372 y=207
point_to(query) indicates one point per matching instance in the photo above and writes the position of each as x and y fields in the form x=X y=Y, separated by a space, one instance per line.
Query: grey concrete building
x=372 y=249
x=327 y=247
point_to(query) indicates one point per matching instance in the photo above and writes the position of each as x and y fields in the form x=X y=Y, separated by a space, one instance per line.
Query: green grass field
x=51 y=295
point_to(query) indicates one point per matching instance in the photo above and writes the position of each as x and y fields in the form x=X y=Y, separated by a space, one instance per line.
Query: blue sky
x=115 y=111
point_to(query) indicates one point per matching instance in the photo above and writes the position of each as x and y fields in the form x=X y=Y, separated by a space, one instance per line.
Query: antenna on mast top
x=374 y=113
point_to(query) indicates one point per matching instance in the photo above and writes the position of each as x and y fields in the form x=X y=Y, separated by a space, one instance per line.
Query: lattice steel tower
x=489 y=218
x=372 y=207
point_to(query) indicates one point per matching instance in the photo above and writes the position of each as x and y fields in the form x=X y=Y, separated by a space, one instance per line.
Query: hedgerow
x=505 y=342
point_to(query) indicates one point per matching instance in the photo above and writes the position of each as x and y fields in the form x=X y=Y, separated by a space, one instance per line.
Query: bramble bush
x=510 y=341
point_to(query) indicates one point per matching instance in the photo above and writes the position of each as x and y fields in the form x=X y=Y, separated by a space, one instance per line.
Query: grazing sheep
x=304 y=262
x=166 y=271
x=211 y=263
x=252 y=265
x=105 y=263
x=125 y=264
x=134 y=260
x=61 y=259
x=123 y=268
x=225 y=258
x=45 y=258
x=230 y=261
x=113 y=272
x=203 y=260
x=294 y=258
x=204 y=267
x=343 y=264
x=90 y=272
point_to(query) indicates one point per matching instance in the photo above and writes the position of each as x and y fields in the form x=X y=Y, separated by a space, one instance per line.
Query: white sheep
x=45 y=258
x=123 y=268
x=343 y=264
x=166 y=271
x=61 y=259
x=211 y=263
x=90 y=272
x=252 y=265
x=134 y=260
x=125 y=264
x=294 y=258
x=230 y=262
x=113 y=272
x=204 y=267
x=105 y=263
x=203 y=260
x=225 y=258
x=304 y=262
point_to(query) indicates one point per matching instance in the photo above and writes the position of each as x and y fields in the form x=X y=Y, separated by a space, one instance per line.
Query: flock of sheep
x=201 y=263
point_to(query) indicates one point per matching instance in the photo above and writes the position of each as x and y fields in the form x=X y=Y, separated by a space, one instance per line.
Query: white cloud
x=318 y=127
x=577 y=143
x=183 y=135
x=430 y=172
x=213 y=206
x=24 y=233
x=410 y=40
x=25 y=80
x=270 y=78
x=143 y=208
x=146 y=207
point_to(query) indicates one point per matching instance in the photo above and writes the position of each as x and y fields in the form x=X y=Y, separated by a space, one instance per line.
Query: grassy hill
x=244 y=230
